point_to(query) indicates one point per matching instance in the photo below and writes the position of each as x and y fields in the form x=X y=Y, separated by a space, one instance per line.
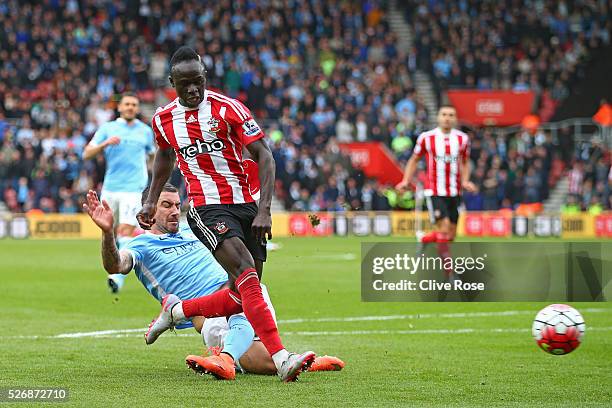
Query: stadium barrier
x=48 y=226
x=359 y=223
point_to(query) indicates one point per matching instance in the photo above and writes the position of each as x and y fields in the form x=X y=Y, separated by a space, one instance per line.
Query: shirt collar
x=124 y=122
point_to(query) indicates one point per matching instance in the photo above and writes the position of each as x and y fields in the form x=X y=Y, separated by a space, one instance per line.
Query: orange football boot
x=221 y=366
x=327 y=363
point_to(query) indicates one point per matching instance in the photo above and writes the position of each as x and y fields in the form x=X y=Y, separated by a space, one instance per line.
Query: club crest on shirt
x=221 y=228
x=213 y=125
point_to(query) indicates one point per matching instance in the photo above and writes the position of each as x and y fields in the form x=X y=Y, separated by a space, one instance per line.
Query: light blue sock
x=119 y=278
x=239 y=337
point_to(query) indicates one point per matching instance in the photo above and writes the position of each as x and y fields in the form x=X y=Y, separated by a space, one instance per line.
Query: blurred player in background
x=206 y=131
x=170 y=258
x=127 y=143
x=447 y=153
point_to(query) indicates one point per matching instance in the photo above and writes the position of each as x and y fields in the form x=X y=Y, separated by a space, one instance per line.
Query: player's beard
x=130 y=119
x=166 y=229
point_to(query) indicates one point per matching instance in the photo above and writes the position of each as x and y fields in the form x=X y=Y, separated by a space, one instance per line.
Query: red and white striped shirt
x=576 y=178
x=208 y=142
x=444 y=154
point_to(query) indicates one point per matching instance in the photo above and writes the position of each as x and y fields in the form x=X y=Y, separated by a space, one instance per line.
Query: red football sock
x=441 y=237
x=430 y=237
x=257 y=311
x=434 y=236
x=221 y=303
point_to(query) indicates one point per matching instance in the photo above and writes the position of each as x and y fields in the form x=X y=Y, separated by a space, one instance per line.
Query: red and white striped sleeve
x=243 y=124
x=159 y=139
x=419 y=148
x=465 y=152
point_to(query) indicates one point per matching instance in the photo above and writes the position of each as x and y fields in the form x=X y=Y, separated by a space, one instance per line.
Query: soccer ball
x=558 y=329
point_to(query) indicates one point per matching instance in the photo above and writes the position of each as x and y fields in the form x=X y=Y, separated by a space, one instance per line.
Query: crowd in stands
x=524 y=167
x=536 y=45
x=590 y=178
x=315 y=74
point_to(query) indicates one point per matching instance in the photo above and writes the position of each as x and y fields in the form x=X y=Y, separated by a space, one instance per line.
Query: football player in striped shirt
x=447 y=154
x=170 y=259
x=205 y=132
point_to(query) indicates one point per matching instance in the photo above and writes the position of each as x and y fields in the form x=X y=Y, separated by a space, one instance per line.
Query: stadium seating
x=332 y=78
x=521 y=45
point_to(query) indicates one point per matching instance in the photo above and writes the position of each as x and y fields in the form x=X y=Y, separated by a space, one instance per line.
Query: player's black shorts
x=440 y=207
x=215 y=222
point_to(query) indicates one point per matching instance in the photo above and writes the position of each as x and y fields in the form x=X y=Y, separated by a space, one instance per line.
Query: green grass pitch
x=57 y=287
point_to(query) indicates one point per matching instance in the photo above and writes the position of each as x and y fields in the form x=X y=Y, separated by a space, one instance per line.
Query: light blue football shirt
x=126 y=162
x=175 y=263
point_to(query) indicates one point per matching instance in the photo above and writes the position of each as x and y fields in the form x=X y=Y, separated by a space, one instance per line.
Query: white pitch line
x=95 y=333
x=125 y=332
x=425 y=331
x=330 y=333
x=423 y=316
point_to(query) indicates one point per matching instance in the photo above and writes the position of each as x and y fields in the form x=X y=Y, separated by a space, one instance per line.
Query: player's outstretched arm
x=92 y=150
x=114 y=261
x=162 y=168
x=262 y=224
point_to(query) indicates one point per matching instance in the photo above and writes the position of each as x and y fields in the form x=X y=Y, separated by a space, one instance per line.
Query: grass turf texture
x=53 y=287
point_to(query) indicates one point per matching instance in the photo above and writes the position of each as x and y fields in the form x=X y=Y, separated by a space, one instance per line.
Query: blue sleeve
x=138 y=251
x=150 y=148
x=100 y=135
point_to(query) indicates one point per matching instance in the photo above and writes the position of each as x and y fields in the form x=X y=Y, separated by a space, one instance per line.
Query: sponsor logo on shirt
x=251 y=128
x=191 y=119
x=200 y=147
x=446 y=158
x=181 y=249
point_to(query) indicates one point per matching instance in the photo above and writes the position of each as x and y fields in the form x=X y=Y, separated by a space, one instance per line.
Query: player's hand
x=469 y=187
x=100 y=213
x=262 y=227
x=403 y=186
x=146 y=216
x=114 y=140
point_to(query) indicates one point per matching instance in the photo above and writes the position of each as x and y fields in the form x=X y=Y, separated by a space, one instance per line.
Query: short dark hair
x=184 y=53
x=128 y=95
x=169 y=188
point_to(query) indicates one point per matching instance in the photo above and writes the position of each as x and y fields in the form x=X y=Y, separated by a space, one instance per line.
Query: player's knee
x=241 y=323
x=445 y=226
x=452 y=233
x=235 y=257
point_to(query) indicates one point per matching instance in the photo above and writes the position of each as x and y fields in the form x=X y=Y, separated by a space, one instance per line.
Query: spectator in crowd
x=316 y=74
x=520 y=45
